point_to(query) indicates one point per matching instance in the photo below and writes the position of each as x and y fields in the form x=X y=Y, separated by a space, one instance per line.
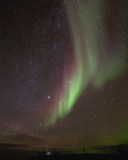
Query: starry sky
x=63 y=73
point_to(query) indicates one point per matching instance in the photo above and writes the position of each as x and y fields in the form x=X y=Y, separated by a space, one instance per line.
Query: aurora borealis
x=64 y=73
x=86 y=67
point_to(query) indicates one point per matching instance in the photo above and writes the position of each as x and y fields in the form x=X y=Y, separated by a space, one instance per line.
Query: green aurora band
x=91 y=63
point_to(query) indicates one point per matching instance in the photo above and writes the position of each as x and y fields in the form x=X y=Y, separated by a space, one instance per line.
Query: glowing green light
x=86 y=19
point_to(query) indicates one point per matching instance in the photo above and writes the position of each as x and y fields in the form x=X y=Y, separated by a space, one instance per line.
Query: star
x=70 y=82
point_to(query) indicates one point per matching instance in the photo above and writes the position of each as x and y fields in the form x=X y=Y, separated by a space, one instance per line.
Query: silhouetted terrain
x=97 y=153
x=16 y=155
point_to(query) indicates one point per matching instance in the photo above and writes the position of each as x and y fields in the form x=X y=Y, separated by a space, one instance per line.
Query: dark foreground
x=65 y=157
x=81 y=157
x=102 y=153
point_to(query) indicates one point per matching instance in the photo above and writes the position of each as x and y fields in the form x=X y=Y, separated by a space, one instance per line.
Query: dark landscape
x=106 y=152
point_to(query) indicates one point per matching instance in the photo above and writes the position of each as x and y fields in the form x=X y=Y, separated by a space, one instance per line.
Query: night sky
x=63 y=73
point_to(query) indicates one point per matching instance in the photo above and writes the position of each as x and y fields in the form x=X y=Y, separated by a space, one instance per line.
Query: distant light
x=49 y=97
x=48 y=153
